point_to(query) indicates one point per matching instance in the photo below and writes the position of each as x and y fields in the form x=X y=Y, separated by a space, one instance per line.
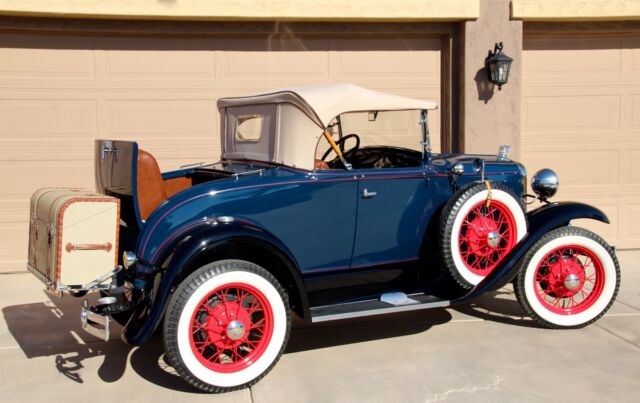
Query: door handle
x=366 y=194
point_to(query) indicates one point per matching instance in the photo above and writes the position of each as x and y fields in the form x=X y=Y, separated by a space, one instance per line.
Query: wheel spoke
x=259 y=324
x=551 y=275
x=199 y=326
x=211 y=338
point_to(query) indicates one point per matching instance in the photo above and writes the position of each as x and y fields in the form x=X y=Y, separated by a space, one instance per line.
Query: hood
x=473 y=163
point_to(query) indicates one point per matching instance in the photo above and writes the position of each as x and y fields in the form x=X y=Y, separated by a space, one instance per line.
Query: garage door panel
x=159 y=118
x=576 y=168
x=384 y=57
x=64 y=56
x=633 y=167
x=572 y=59
x=263 y=62
x=581 y=117
x=150 y=58
x=43 y=151
x=633 y=222
x=10 y=209
x=44 y=118
x=635 y=112
x=597 y=112
x=48 y=173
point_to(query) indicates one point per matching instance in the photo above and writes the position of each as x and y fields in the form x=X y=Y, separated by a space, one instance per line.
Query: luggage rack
x=59 y=289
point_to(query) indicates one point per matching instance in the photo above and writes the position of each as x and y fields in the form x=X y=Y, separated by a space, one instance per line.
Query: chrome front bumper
x=94 y=324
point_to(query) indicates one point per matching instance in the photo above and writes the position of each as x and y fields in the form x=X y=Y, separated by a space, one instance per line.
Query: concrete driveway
x=482 y=352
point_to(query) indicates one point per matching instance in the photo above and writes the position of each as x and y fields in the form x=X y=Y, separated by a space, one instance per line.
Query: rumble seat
x=151 y=188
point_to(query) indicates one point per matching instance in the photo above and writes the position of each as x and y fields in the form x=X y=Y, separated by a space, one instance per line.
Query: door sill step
x=377 y=307
x=397 y=299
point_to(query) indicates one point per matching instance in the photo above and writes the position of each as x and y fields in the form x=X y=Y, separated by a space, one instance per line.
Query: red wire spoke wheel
x=226 y=325
x=231 y=328
x=568 y=279
x=475 y=236
x=486 y=235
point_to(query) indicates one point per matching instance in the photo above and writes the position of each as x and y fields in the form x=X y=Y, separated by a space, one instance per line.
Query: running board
x=377 y=307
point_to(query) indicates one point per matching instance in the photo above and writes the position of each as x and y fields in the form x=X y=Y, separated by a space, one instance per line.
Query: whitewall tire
x=475 y=235
x=568 y=279
x=226 y=325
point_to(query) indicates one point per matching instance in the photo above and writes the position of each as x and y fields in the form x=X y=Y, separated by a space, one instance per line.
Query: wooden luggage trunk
x=73 y=236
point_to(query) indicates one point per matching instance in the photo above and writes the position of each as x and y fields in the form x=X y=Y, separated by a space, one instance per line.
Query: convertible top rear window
x=249 y=128
x=250 y=132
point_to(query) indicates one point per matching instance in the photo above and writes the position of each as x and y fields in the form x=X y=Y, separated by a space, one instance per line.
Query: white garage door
x=581 y=117
x=59 y=93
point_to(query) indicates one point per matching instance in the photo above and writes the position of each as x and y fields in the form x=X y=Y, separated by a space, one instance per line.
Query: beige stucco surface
x=581 y=117
x=491 y=116
x=315 y=10
x=60 y=93
x=575 y=10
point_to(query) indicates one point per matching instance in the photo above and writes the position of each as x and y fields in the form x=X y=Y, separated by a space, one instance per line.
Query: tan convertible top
x=322 y=103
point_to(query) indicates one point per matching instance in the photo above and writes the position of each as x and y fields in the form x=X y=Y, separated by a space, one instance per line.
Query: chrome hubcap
x=493 y=239
x=572 y=281
x=235 y=330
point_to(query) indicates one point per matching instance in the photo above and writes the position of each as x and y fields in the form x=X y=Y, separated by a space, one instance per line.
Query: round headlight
x=545 y=183
x=128 y=259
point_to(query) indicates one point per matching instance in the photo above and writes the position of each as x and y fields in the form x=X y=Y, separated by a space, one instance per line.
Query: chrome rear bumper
x=94 y=324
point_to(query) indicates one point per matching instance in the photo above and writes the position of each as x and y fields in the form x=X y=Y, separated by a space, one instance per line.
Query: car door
x=316 y=219
x=391 y=217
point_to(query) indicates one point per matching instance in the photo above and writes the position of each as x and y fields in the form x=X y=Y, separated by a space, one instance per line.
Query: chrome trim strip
x=192 y=165
x=257 y=171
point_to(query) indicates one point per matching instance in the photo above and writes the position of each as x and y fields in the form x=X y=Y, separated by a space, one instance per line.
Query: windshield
x=356 y=132
x=384 y=128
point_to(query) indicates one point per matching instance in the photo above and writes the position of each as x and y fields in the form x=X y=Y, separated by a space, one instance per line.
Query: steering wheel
x=340 y=143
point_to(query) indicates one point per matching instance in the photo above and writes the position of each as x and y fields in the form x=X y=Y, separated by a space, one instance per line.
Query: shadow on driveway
x=348 y=331
x=52 y=329
x=498 y=306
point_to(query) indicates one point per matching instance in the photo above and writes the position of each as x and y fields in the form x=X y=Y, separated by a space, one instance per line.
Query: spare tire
x=475 y=235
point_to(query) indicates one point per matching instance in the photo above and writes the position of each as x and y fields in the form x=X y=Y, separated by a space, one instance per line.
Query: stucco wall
x=304 y=10
x=491 y=117
x=576 y=10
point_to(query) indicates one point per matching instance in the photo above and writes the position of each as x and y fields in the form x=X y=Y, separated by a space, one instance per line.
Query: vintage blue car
x=329 y=203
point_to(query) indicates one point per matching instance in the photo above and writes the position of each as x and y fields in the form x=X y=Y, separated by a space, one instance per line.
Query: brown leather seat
x=320 y=164
x=151 y=188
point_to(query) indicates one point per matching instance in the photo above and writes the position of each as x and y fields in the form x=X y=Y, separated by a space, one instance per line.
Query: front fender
x=541 y=221
x=150 y=309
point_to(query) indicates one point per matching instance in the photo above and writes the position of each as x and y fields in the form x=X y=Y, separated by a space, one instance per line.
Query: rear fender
x=152 y=303
x=541 y=221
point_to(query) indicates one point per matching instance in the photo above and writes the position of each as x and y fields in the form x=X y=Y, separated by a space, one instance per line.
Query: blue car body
x=335 y=244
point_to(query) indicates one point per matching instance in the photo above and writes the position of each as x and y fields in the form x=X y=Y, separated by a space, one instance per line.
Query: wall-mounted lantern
x=498 y=65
